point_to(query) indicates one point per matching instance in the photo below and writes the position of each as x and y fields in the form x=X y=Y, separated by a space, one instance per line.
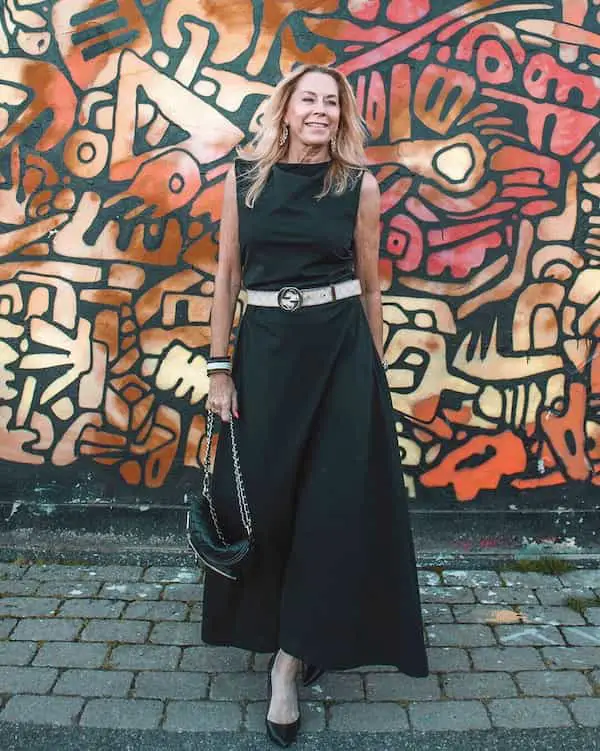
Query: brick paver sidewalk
x=119 y=647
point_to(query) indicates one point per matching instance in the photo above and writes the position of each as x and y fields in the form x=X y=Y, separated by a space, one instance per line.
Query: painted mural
x=118 y=121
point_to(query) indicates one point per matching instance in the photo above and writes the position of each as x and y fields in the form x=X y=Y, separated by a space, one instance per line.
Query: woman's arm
x=222 y=396
x=366 y=243
x=228 y=276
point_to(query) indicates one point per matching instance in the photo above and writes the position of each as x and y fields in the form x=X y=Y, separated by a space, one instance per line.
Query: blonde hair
x=265 y=148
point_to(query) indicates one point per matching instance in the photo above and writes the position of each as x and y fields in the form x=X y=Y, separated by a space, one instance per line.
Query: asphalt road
x=43 y=738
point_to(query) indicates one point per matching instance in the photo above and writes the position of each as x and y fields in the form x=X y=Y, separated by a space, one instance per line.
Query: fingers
x=223 y=404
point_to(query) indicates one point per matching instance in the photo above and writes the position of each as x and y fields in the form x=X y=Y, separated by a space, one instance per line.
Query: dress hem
x=354 y=665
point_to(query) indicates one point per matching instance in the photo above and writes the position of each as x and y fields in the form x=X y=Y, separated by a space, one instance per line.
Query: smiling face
x=313 y=112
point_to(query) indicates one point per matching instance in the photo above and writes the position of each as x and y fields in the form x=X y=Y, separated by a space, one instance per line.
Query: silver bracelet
x=218 y=366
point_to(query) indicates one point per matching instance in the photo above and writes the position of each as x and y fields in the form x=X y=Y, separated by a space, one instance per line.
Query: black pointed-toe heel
x=282 y=735
x=310 y=674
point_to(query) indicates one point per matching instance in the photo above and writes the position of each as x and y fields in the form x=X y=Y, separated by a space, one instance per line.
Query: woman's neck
x=307 y=154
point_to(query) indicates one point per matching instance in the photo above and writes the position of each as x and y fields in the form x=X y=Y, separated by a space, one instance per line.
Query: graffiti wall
x=118 y=121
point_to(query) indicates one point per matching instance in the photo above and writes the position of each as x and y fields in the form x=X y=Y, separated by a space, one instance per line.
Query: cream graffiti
x=118 y=121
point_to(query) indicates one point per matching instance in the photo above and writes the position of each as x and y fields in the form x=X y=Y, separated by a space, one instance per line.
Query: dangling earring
x=284 y=134
x=333 y=143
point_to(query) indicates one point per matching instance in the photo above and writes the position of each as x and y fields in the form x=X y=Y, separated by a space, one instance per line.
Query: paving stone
x=436 y=612
x=585 y=711
x=94 y=683
x=71 y=655
x=185 y=634
x=167 y=574
x=529 y=579
x=156 y=611
x=447 y=659
x=429 y=578
x=48 y=571
x=400 y=687
x=145 y=657
x=479 y=578
x=62 y=572
x=479 y=685
x=186 y=592
x=582 y=578
x=86 y=608
x=259 y=661
x=17 y=652
x=374 y=717
x=529 y=713
x=12 y=570
x=592 y=616
x=578 y=658
x=6 y=626
x=131 y=591
x=203 y=716
x=214 y=659
x=195 y=615
x=67 y=589
x=492 y=614
x=335 y=686
x=47 y=629
x=238 y=687
x=554 y=683
x=447 y=594
x=42 y=710
x=125 y=632
x=178 y=685
x=312 y=712
x=138 y=714
x=551 y=615
x=20 y=680
x=582 y=636
x=26 y=607
x=449 y=715
x=507 y=659
x=118 y=573
x=560 y=595
x=506 y=596
x=460 y=635
x=529 y=636
x=17 y=587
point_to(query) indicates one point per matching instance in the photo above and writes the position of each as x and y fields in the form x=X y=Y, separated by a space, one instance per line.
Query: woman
x=334 y=584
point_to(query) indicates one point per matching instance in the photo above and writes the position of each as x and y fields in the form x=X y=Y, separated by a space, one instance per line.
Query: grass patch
x=581 y=604
x=543 y=565
x=437 y=569
x=21 y=561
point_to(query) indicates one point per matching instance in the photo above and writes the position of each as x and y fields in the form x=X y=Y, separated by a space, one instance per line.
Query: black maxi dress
x=334 y=581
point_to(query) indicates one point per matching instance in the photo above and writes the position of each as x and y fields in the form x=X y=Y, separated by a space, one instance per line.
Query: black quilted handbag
x=205 y=536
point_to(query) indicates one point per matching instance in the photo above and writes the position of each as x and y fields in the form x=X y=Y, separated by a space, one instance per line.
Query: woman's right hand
x=222 y=396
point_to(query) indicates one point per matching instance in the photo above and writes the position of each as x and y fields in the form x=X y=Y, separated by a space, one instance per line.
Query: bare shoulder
x=369 y=187
x=369 y=193
x=230 y=189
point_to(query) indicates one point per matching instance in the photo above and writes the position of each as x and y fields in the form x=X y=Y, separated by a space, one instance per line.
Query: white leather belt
x=292 y=298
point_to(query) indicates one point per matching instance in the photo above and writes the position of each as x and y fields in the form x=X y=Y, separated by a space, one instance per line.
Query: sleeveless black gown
x=334 y=581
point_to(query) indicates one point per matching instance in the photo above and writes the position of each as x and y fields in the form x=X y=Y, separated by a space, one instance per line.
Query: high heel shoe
x=310 y=674
x=282 y=735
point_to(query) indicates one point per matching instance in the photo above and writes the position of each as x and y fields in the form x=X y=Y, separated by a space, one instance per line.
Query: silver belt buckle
x=289 y=298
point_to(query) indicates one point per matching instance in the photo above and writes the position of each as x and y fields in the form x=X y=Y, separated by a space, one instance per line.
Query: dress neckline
x=302 y=164
x=303 y=169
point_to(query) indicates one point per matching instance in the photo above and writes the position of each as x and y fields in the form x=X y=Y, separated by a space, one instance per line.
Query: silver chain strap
x=237 y=473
